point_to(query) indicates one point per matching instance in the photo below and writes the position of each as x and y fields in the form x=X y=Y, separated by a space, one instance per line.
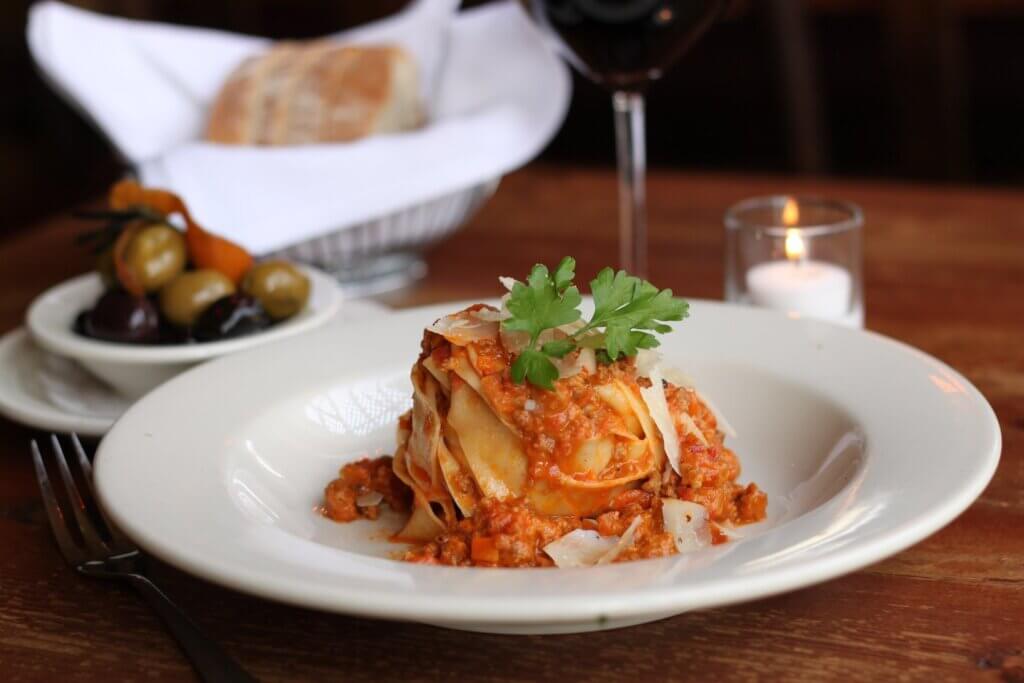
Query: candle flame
x=790 y=212
x=795 y=249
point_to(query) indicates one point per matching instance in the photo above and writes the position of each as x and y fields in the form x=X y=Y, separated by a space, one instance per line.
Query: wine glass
x=623 y=45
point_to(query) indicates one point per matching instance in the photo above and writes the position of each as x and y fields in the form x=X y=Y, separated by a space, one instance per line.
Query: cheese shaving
x=580 y=548
x=624 y=542
x=690 y=427
x=573 y=363
x=657 y=406
x=490 y=315
x=461 y=329
x=369 y=499
x=678 y=377
x=681 y=379
x=687 y=522
x=514 y=341
x=647 y=360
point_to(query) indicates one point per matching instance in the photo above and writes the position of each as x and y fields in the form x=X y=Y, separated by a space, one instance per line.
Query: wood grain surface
x=944 y=272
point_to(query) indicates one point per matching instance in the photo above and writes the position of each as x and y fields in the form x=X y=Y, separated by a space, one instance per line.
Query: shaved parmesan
x=687 y=522
x=572 y=364
x=588 y=360
x=580 y=548
x=624 y=542
x=646 y=360
x=677 y=377
x=514 y=341
x=369 y=499
x=657 y=406
x=490 y=315
x=681 y=379
x=734 y=533
x=461 y=328
x=690 y=427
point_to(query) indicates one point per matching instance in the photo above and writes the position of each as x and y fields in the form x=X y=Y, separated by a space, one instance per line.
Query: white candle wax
x=811 y=288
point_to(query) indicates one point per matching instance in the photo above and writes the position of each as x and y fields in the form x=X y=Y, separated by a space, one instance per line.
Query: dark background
x=924 y=90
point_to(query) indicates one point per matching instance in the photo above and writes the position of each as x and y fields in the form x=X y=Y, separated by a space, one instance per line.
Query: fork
x=105 y=553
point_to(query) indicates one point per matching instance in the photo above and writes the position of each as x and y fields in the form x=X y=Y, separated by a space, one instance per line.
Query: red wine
x=624 y=44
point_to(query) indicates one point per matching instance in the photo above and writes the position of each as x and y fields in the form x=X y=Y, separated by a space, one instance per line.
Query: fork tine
x=83 y=460
x=67 y=546
x=123 y=543
x=93 y=542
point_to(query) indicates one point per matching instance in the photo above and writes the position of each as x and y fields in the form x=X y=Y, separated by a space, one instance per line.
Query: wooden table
x=944 y=271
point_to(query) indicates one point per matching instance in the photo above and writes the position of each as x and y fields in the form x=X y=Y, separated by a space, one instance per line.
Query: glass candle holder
x=801 y=255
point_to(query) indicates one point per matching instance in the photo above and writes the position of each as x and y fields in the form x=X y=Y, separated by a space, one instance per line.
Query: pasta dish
x=539 y=438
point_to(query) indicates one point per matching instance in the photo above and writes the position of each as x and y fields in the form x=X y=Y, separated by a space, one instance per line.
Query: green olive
x=279 y=286
x=186 y=297
x=155 y=255
x=105 y=267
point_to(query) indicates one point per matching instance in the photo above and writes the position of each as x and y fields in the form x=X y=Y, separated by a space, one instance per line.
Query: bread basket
x=362 y=210
x=384 y=253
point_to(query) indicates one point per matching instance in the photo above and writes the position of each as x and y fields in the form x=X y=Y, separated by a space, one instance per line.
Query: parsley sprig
x=627 y=311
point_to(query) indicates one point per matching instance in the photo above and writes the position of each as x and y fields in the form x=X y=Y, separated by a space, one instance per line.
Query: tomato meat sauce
x=553 y=424
x=349 y=497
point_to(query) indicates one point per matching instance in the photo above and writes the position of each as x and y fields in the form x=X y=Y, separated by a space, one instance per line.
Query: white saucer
x=49 y=392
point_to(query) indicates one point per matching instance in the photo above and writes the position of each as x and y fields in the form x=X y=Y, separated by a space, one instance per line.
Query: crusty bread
x=302 y=93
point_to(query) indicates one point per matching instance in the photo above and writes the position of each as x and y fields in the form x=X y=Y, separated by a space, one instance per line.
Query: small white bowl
x=133 y=370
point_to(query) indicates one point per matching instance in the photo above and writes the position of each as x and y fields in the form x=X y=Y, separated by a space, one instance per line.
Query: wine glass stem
x=629 y=145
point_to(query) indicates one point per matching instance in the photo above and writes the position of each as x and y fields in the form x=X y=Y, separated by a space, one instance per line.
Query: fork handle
x=210 y=662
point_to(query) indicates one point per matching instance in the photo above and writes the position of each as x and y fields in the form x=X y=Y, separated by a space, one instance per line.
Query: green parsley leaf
x=564 y=273
x=628 y=312
x=628 y=300
x=620 y=339
x=536 y=367
x=539 y=305
x=611 y=290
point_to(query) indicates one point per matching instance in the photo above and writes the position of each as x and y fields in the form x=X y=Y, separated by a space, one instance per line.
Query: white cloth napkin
x=496 y=95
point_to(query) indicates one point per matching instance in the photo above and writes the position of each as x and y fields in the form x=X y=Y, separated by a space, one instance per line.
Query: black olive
x=231 y=316
x=120 y=317
x=173 y=334
x=81 y=325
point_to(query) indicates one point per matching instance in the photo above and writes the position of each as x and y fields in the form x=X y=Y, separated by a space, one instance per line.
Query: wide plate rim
x=456 y=609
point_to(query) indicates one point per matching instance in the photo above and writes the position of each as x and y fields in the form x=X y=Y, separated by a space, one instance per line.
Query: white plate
x=52 y=393
x=134 y=369
x=864 y=445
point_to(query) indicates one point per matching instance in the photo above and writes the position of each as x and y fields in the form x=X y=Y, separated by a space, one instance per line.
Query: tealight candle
x=795 y=283
x=816 y=289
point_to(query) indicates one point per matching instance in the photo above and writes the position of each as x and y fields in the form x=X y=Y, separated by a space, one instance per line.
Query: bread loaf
x=303 y=93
